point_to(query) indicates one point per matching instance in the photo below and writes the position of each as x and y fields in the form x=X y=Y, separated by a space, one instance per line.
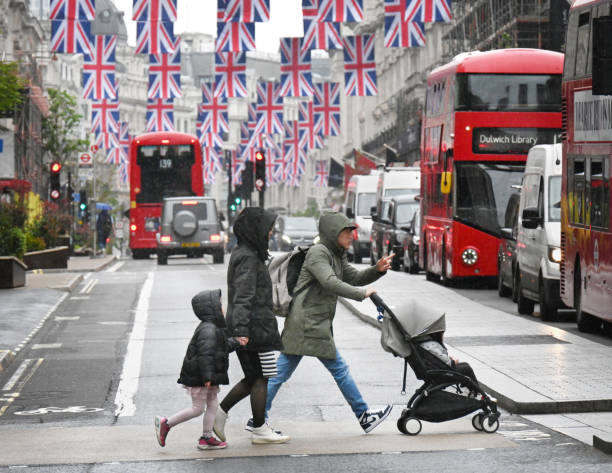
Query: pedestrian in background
x=204 y=368
x=251 y=320
x=104 y=226
x=308 y=328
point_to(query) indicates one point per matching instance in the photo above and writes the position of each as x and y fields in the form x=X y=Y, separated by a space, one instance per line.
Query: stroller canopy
x=414 y=320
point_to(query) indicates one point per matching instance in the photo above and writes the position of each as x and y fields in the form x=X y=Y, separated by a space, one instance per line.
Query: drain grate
x=504 y=340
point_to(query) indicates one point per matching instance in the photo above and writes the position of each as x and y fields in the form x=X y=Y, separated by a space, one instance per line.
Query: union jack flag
x=211 y=140
x=99 y=70
x=321 y=173
x=307 y=121
x=212 y=164
x=359 y=65
x=124 y=140
x=319 y=34
x=113 y=155
x=295 y=153
x=278 y=174
x=165 y=74
x=246 y=11
x=296 y=78
x=119 y=154
x=437 y=10
x=269 y=108
x=213 y=110
x=72 y=10
x=154 y=10
x=71 y=36
x=160 y=115
x=155 y=37
x=239 y=164
x=253 y=121
x=341 y=10
x=327 y=108
x=105 y=116
x=106 y=140
x=235 y=37
x=124 y=172
x=403 y=25
x=230 y=75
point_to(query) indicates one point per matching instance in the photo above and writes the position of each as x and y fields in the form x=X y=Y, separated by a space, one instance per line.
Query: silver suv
x=190 y=226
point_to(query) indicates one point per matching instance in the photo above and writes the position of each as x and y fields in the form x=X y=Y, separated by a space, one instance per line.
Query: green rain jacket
x=308 y=327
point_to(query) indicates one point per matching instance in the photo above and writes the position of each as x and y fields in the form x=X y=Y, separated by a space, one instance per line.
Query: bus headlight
x=469 y=256
x=554 y=254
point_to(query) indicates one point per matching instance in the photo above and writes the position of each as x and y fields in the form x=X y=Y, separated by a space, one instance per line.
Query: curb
x=603 y=444
x=74 y=282
x=512 y=406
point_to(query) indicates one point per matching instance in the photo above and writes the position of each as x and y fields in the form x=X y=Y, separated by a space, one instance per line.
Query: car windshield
x=300 y=224
x=405 y=212
x=554 y=199
x=482 y=193
x=394 y=192
x=364 y=203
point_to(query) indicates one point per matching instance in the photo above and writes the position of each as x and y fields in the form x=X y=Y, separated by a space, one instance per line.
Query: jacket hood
x=207 y=306
x=330 y=226
x=252 y=227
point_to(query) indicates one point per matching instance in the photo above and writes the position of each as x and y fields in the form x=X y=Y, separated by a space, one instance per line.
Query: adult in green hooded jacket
x=326 y=275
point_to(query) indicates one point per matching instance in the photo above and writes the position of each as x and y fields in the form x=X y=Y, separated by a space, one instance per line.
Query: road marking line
x=20 y=371
x=91 y=286
x=80 y=298
x=128 y=382
x=60 y=318
x=3 y=410
x=45 y=346
x=113 y=323
x=115 y=267
x=86 y=286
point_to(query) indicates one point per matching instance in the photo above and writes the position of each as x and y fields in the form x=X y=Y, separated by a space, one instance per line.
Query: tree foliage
x=11 y=87
x=60 y=128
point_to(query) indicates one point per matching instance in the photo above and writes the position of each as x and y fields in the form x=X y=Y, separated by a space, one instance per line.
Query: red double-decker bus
x=484 y=110
x=586 y=225
x=162 y=164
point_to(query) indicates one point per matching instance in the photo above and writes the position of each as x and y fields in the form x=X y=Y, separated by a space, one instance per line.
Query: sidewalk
x=531 y=368
x=24 y=310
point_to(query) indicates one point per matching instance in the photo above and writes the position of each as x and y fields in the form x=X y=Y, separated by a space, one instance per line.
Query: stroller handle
x=376 y=299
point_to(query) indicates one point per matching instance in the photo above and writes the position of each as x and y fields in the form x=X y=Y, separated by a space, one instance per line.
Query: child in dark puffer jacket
x=204 y=368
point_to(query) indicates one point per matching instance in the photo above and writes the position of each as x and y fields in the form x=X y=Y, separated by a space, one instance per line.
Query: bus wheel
x=524 y=305
x=586 y=322
x=548 y=313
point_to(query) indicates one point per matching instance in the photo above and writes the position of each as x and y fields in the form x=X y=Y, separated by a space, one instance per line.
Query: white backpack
x=284 y=271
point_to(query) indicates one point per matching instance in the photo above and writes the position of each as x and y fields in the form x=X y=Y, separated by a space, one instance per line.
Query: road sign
x=85 y=161
x=94 y=148
x=259 y=184
x=85 y=173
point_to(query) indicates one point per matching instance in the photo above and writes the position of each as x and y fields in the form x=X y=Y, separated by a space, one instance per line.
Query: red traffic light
x=259 y=156
x=56 y=167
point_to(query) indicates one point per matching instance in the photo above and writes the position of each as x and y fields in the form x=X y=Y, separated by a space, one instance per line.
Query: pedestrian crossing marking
x=45 y=346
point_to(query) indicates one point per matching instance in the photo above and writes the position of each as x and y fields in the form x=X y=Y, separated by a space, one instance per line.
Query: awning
x=18 y=185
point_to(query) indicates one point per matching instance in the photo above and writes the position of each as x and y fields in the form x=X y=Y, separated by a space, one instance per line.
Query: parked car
x=379 y=225
x=411 y=242
x=506 y=254
x=539 y=233
x=360 y=197
x=190 y=226
x=290 y=232
x=400 y=212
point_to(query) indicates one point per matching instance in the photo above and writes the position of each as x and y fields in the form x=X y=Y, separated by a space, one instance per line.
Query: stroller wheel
x=477 y=421
x=409 y=425
x=490 y=423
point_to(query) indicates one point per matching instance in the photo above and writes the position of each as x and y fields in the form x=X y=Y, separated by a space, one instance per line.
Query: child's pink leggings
x=199 y=396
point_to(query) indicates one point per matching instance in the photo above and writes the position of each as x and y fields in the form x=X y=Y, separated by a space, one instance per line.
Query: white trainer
x=265 y=434
x=219 y=425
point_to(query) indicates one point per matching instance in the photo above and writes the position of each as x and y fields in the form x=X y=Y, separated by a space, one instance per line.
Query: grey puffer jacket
x=308 y=328
x=249 y=312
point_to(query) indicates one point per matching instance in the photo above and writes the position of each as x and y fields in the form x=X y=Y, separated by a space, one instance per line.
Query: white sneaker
x=219 y=426
x=265 y=434
x=370 y=419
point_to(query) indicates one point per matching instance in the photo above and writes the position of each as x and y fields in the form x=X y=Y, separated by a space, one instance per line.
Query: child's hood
x=207 y=306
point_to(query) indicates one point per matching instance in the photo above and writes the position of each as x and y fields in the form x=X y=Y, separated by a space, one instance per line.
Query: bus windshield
x=482 y=193
x=509 y=92
x=165 y=171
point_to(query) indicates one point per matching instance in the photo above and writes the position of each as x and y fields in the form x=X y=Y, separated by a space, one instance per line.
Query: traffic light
x=260 y=170
x=237 y=200
x=54 y=180
x=83 y=205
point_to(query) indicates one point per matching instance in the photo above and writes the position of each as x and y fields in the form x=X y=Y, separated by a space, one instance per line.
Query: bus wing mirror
x=531 y=218
x=602 y=56
x=445 y=182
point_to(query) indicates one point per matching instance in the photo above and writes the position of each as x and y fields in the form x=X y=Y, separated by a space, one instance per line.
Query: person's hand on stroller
x=384 y=263
x=369 y=291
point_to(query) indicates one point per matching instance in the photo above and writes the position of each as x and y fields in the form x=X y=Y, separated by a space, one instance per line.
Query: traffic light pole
x=261 y=198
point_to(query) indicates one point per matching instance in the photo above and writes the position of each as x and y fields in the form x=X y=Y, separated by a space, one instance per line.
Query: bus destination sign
x=511 y=140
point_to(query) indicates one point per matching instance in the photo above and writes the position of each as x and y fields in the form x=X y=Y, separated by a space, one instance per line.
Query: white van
x=398 y=181
x=539 y=233
x=360 y=198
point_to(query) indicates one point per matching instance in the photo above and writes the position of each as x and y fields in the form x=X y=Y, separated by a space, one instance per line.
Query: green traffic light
x=82 y=205
x=237 y=200
x=233 y=207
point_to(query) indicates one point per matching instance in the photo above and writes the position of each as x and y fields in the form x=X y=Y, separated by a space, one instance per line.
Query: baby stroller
x=440 y=398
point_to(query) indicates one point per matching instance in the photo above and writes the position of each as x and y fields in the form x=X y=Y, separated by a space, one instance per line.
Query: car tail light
x=165 y=239
x=355 y=234
x=189 y=202
x=215 y=237
x=133 y=227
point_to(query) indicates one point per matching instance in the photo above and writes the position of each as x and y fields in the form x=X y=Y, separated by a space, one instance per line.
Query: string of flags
x=285 y=142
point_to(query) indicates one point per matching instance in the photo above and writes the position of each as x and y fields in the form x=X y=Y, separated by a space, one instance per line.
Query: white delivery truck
x=360 y=198
x=539 y=233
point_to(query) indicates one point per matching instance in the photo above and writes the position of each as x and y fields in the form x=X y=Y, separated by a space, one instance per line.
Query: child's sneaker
x=210 y=443
x=370 y=419
x=161 y=430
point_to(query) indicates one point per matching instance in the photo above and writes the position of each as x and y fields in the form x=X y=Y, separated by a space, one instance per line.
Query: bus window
x=570 y=47
x=600 y=197
x=582 y=51
x=576 y=189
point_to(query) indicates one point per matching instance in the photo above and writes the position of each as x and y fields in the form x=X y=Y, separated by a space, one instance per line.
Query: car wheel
x=162 y=258
x=586 y=322
x=524 y=305
x=548 y=313
x=218 y=257
x=502 y=290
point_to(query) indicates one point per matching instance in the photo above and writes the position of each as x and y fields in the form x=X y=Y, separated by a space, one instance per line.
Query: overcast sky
x=200 y=16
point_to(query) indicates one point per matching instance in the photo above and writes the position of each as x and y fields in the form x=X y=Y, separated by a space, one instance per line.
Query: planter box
x=12 y=272
x=50 y=258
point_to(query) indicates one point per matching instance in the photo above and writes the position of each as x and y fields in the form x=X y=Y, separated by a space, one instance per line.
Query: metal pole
x=261 y=198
